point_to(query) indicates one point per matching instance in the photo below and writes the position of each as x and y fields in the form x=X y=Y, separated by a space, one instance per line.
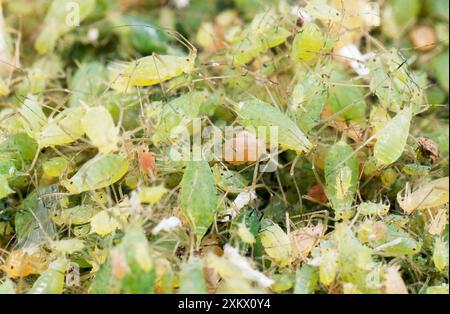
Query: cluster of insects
x=116 y=176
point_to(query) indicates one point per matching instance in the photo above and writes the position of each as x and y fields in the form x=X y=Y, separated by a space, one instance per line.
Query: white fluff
x=179 y=4
x=301 y=13
x=93 y=34
x=241 y=262
x=167 y=224
x=244 y=198
x=355 y=58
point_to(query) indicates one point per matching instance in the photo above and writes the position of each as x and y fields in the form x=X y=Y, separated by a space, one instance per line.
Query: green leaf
x=198 y=196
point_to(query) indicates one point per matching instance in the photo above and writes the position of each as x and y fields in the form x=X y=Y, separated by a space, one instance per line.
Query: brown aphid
x=428 y=149
x=423 y=38
x=147 y=162
x=244 y=148
x=317 y=192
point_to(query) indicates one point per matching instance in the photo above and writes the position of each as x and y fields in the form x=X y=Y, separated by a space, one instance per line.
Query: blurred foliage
x=96 y=95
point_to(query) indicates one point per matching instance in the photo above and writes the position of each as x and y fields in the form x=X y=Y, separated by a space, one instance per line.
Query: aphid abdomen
x=341 y=177
x=392 y=139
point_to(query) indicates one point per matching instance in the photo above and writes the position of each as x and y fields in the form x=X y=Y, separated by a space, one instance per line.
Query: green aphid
x=228 y=180
x=198 y=197
x=416 y=170
x=373 y=209
x=88 y=83
x=308 y=44
x=178 y=113
x=98 y=172
x=77 y=215
x=263 y=33
x=440 y=253
x=391 y=140
x=140 y=274
x=55 y=167
x=308 y=99
x=256 y=114
x=341 y=178
x=51 y=281
x=397 y=242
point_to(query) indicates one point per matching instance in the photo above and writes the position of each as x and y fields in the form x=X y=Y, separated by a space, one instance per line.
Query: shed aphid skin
x=154 y=69
x=430 y=195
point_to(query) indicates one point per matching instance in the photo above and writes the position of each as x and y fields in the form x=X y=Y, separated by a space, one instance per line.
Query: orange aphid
x=24 y=262
x=147 y=161
x=424 y=38
x=119 y=265
x=245 y=147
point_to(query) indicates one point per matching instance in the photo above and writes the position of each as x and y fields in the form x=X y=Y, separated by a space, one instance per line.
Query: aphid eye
x=12 y=267
x=188 y=60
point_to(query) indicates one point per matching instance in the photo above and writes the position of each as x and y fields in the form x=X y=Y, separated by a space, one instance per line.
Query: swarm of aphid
x=249 y=147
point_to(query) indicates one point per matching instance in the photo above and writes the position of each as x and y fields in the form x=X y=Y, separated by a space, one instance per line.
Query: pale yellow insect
x=432 y=194
x=63 y=129
x=99 y=126
x=152 y=69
